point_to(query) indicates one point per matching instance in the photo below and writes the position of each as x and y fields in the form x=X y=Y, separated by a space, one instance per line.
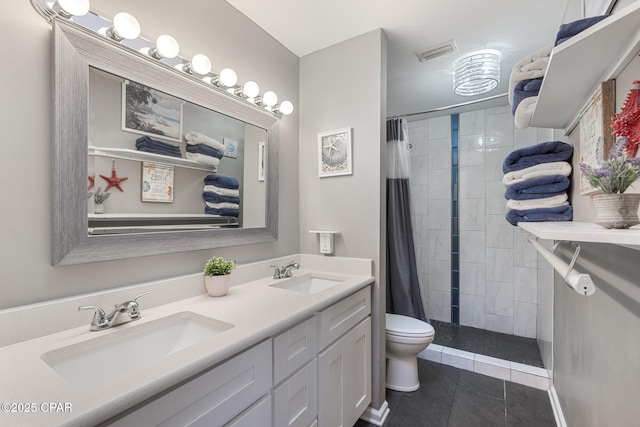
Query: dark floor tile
x=363 y=423
x=528 y=407
x=482 y=384
x=474 y=409
x=423 y=415
x=437 y=384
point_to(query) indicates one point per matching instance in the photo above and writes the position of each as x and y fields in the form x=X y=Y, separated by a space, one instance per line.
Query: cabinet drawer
x=295 y=402
x=258 y=415
x=336 y=320
x=213 y=398
x=293 y=348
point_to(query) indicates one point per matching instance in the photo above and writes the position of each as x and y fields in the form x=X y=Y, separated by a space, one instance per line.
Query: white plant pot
x=217 y=286
x=99 y=208
x=617 y=210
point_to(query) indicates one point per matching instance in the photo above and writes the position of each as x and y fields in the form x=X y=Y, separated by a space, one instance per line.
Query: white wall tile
x=458 y=358
x=439 y=153
x=524 y=319
x=495 y=201
x=440 y=215
x=439 y=185
x=524 y=254
x=499 y=264
x=472 y=246
x=472 y=310
x=472 y=278
x=471 y=150
x=524 y=137
x=471 y=214
x=440 y=245
x=545 y=287
x=495 y=368
x=530 y=380
x=439 y=127
x=525 y=284
x=472 y=122
x=418 y=139
x=495 y=158
x=440 y=275
x=433 y=353
x=439 y=305
x=419 y=170
x=471 y=183
x=499 y=298
x=499 y=123
x=502 y=324
x=419 y=198
x=499 y=232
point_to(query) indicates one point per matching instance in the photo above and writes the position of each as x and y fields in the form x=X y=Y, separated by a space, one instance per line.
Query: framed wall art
x=157 y=182
x=334 y=153
x=150 y=112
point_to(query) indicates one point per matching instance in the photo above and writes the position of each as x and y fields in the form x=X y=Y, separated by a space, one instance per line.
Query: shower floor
x=493 y=344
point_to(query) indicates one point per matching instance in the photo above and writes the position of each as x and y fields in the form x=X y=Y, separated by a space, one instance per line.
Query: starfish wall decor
x=113 y=181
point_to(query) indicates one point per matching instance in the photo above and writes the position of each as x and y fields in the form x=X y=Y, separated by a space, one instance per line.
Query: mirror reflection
x=160 y=163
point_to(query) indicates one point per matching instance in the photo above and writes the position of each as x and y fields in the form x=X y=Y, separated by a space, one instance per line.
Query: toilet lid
x=407 y=326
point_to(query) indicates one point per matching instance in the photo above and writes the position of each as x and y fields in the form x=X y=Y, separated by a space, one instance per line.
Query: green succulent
x=217 y=266
x=99 y=197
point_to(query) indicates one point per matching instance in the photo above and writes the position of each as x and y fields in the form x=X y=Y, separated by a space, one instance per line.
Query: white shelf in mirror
x=118 y=216
x=142 y=156
x=583 y=232
x=577 y=66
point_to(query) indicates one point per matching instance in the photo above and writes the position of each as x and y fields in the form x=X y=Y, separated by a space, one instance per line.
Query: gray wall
x=595 y=342
x=227 y=37
x=345 y=86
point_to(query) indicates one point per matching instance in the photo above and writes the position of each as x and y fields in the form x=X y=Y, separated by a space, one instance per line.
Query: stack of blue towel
x=203 y=149
x=221 y=195
x=146 y=144
x=570 y=29
x=537 y=181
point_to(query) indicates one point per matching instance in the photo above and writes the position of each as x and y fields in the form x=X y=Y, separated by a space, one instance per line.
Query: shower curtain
x=403 y=286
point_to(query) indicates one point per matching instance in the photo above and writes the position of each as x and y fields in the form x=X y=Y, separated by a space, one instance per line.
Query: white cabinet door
x=335 y=321
x=295 y=402
x=292 y=349
x=258 y=415
x=344 y=378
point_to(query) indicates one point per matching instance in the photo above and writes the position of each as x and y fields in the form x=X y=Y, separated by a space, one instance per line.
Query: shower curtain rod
x=450 y=107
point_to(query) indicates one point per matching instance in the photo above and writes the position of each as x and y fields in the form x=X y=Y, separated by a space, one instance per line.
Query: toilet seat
x=405 y=326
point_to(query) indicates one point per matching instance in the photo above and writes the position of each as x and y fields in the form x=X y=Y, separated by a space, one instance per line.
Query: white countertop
x=257 y=310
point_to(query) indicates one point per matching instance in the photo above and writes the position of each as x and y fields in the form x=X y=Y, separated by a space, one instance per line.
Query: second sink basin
x=120 y=352
x=308 y=283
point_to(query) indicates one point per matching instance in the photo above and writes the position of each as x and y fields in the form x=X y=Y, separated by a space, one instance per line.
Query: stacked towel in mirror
x=221 y=195
x=203 y=149
x=524 y=85
x=149 y=145
x=570 y=29
x=537 y=181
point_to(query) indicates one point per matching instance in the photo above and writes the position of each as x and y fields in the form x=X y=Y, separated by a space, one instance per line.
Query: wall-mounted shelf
x=142 y=156
x=118 y=223
x=583 y=232
x=579 y=64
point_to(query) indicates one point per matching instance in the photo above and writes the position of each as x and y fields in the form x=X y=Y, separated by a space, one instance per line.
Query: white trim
x=376 y=416
x=557 y=409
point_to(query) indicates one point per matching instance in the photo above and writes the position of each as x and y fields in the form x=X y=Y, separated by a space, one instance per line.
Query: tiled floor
x=452 y=397
x=494 y=344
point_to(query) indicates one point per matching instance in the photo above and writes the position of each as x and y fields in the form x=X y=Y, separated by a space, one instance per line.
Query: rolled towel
x=537 y=171
x=222 y=212
x=217 y=198
x=570 y=29
x=547 y=202
x=203 y=158
x=222 y=191
x=538 y=188
x=221 y=181
x=223 y=205
x=524 y=112
x=194 y=138
x=204 y=149
x=531 y=66
x=561 y=213
x=545 y=152
x=525 y=89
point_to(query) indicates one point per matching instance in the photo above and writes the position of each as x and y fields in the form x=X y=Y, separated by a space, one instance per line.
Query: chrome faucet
x=284 y=271
x=102 y=321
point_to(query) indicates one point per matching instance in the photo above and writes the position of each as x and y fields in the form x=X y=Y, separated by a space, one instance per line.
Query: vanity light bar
x=126 y=27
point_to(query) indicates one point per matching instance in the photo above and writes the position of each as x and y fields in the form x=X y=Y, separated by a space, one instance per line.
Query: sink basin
x=308 y=283
x=120 y=352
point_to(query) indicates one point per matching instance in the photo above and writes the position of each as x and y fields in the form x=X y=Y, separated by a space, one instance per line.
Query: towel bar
x=579 y=282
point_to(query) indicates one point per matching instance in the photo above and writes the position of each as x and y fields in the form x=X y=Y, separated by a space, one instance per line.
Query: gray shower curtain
x=403 y=286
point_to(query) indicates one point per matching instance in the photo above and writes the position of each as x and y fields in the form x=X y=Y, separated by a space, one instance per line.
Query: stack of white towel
x=524 y=84
x=203 y=149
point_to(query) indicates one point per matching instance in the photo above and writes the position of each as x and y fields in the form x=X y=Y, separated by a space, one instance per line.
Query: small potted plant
x=217 y=275
x=615 y=208
x=99 y=197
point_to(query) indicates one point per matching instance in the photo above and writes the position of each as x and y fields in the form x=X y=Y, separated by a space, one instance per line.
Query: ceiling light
x=226 y=78
x=249 y=90
x=269 y=99
x=285 y=108
x=69 y=8
x=125 y=26
x=477 y=73
x=166 y=47
x=199 y=64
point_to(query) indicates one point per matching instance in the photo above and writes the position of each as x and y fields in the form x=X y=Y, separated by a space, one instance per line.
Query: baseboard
x=376 y=416
x=557 y=409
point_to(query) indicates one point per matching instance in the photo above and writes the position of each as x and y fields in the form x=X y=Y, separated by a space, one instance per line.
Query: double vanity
x=294 y=351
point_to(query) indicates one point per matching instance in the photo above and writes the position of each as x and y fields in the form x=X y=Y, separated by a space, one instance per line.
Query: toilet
x=405 y=337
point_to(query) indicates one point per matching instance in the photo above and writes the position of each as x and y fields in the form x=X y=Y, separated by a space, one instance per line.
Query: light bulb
x=69 y=8
x=286 y=108
x=228 y=77
x=166 y=47
x=125 y=26
x=251 y=89
x=199 y=64
x=269 y=98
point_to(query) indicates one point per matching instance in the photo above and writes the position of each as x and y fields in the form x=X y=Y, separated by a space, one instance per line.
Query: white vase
x=99 y=208
x=217 y=286
x=617 y=210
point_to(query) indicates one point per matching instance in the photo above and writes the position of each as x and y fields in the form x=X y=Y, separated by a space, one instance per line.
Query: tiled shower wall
x=500 y=287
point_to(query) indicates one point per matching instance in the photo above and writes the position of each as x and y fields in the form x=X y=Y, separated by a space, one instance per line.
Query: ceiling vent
x=438 y=50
